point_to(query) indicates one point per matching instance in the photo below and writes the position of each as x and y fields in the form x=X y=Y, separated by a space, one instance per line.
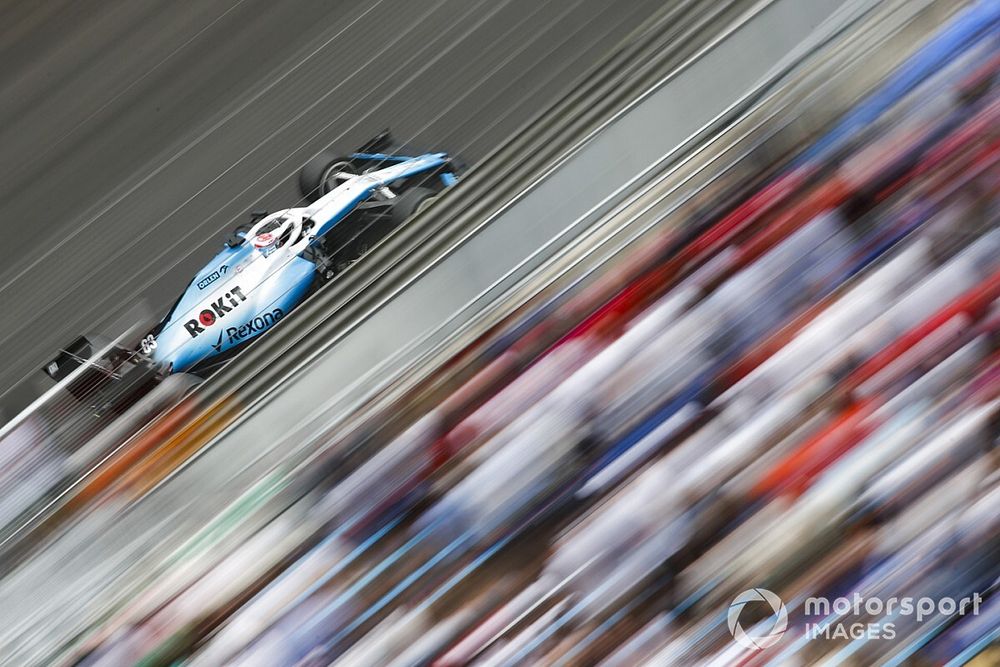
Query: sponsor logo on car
x=212 y=277
x=216 y=309
x=217 y=345
x=254 y=326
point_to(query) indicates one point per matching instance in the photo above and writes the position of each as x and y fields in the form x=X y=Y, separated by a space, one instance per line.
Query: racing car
x=265 y=269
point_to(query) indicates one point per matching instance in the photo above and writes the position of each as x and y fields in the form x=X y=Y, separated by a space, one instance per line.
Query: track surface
x=136 y=132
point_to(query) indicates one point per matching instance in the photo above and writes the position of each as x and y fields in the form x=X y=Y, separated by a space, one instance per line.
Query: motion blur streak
x=747 y=415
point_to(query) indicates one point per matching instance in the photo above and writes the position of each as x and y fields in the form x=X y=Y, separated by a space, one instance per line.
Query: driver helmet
x=265 y=242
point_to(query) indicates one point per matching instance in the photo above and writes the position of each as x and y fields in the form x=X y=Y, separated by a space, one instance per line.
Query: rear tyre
x=409 y=203
x=313 y=177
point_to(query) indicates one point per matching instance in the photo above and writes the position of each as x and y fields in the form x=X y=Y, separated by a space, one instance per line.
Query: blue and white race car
x=267 y=268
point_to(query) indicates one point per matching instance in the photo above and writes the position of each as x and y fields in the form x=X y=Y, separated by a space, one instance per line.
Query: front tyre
x=314 y=176
x=409 y=203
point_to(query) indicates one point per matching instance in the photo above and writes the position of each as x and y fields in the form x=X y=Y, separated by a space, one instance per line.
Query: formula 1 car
x=265 y=269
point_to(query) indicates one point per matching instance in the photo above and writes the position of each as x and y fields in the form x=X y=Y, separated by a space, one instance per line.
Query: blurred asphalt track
x=134 y=133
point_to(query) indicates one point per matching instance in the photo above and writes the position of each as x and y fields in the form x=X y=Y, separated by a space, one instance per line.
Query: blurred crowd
x=795 y=390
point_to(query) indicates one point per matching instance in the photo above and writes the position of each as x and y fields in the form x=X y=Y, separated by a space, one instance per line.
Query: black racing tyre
x=313 y=174
x=410 y=202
